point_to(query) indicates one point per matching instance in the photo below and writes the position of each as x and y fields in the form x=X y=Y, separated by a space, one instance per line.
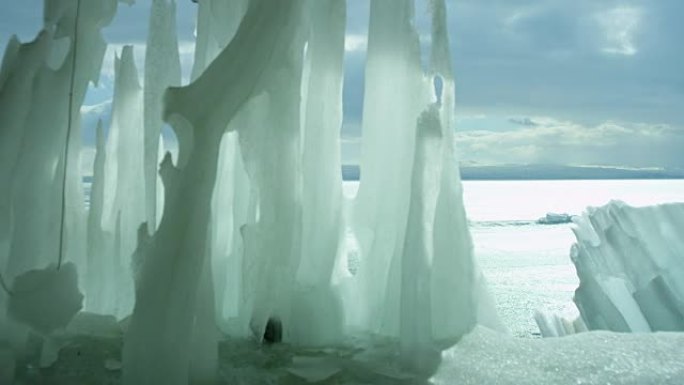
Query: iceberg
x=555 y=218
x=629 y=262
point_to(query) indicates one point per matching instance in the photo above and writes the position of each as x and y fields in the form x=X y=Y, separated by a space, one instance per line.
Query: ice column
x=156 y=347
x=162 y=69
x=317 y=309
x=100 y=268
x=416 y=307
x=33 y=175
x=396 y=93
x=124 y=198
x=460 y=297
x=217 y=23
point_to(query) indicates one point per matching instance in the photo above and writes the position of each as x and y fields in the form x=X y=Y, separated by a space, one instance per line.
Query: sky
x=581 y=82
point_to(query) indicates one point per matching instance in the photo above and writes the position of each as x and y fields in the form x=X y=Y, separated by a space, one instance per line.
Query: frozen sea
x=527 y=264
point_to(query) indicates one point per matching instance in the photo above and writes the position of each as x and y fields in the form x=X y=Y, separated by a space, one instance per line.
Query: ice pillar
x=157 y=345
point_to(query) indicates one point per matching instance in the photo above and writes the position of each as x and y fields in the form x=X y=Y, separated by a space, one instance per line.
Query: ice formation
x=162 y=69
x=36 y=77
x=554 y=325
x=37 y=82
x=123 y=207
x=247 y=230
x=629 y=262
x=381 y=212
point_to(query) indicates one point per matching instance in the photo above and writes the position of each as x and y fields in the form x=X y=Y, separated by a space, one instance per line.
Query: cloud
x=583 y=60
x=620 y=25
x=355 y=42
x=553 y=141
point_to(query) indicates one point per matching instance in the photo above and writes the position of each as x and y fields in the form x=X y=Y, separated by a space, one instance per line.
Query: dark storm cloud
x=584 y=60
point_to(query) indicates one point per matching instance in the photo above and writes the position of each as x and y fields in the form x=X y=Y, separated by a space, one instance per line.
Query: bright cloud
x=354 y=43
x=548 y=140
x=619 y=26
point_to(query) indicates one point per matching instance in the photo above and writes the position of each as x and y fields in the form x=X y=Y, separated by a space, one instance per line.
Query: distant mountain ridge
x=544 y=172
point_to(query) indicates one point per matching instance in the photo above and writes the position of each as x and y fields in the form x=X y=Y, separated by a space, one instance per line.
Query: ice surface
x=482 y=357
x=630 y=263
x=487 y=357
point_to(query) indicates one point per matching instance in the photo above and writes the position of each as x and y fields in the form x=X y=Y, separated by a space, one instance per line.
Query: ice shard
x=124 y=197
x=460 y=295
x=100 y=263
x=416 y=305
x=629 y=262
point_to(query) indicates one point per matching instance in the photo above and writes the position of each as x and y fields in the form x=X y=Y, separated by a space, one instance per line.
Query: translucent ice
x=124 y=189
x=36 y=84
x=162 y=69
x=157 y=343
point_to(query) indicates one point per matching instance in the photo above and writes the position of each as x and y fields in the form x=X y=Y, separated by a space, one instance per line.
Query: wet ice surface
x=528 y=269
x=482 y=357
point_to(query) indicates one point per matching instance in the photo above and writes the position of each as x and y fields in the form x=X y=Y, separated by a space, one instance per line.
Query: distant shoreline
x=534 y=172
x=544 y=172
